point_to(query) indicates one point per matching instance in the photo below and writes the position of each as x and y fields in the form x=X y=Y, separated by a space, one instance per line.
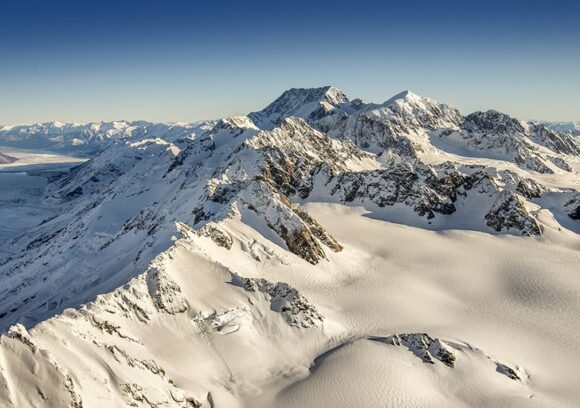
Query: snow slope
x=321 y=251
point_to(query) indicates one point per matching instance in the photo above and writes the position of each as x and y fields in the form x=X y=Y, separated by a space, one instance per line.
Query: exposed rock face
x=285 y=162
x=317 y=230
x=301 y=234
x=524 y=158
x=530 y=188
x=289 y=156
x=573 y=208
x=425 y=347
x=507 y=371
x=411 y=110
x=508 y=212
x=146 y=220
x=166 y=294
x=136 y=395
x=431 y=350
x=370 y=133
x=217 y=234
x=294 y=307
x=491 y=123
x=559 y=162
x=19 y=332
x=403 y=182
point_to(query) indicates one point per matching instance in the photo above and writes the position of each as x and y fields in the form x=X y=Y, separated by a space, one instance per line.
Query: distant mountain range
x=565 y=127
x=90 y=138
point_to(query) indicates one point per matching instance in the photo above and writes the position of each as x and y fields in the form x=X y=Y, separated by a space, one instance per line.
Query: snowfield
x=320 y=252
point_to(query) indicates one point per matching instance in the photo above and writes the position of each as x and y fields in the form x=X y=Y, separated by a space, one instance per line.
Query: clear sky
x=174 y=60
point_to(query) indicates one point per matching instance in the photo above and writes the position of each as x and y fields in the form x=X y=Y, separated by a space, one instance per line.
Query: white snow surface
x=321 y=252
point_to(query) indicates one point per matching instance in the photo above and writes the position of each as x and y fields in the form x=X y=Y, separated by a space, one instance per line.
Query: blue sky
x=177 y=60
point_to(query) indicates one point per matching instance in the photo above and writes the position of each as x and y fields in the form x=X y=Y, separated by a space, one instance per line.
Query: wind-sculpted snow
x=177 y=245
x=107 y=350
x=138 y=381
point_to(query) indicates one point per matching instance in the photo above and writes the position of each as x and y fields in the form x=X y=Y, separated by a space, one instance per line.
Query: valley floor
x=21 y=185
x=27 y=158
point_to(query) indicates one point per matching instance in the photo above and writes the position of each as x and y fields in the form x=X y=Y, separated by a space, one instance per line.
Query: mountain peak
x=301 y=102
x=405 y=95
x=335 y=94
x=328 y=94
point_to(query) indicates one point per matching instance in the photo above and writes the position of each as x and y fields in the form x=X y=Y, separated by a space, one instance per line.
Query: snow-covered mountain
x=210 y=264
x=565 y=127
x=91 y=138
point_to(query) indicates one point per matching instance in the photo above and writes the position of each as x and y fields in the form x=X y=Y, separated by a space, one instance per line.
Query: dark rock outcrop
x=508 y=212
x=294 y=307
